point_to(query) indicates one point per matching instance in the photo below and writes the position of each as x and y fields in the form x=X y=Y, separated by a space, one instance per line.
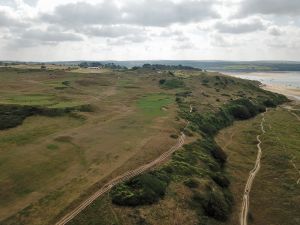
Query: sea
x=289 y=81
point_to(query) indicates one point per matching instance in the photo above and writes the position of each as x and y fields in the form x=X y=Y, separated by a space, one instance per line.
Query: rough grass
x=276 y=180
x=131 y=124
x=67 y=155
x=197 y=169
x=33 y=99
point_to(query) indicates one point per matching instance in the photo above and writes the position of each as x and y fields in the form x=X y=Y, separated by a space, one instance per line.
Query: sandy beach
x=291 y=93
x=286 y=83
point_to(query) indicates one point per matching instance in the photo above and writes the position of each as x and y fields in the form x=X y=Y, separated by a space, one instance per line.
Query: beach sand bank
x=291 y=93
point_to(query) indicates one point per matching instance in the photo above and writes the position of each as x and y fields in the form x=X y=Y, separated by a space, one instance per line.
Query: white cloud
x=149 y=29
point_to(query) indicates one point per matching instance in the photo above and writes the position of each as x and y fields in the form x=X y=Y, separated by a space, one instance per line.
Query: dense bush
x=215 y=204
x=269 y=103
x=14 y=115
x=184 y=94
x=239 y=112
x=220 y=179
x=173 y=83
x=169 y=67
x=210 y=145
x=242 y=108
x=162 y=81
x=209 y=123
x=191 y=183
x=145 y=189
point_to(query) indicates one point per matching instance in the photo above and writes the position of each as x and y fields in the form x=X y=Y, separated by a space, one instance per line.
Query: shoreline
x=291 y=93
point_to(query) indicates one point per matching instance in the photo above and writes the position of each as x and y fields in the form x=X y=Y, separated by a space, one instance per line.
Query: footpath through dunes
x=270 y=193
x=253 y=172
x=124 y=177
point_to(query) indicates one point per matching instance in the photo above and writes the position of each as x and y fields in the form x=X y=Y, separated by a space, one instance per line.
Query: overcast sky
x=44 y=30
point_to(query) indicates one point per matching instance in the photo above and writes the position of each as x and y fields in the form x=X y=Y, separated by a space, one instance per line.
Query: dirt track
x=124 y=177
x=252 y=174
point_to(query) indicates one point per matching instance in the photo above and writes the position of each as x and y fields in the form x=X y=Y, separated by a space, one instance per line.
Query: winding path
x=252 y=174
x=124 y=177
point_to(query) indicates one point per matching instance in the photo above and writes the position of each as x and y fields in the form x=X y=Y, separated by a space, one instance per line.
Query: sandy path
x=252 y=174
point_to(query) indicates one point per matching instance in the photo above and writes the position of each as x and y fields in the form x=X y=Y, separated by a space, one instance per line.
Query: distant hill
x=240 y=66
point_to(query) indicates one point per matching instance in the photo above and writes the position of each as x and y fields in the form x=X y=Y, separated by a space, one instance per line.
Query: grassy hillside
x=193 y=187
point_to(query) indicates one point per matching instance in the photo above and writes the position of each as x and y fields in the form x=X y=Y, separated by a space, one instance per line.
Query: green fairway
x=152 y=104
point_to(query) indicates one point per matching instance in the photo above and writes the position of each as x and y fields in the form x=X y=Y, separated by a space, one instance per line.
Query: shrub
x=66 y=83
x=14 y=115
x=184 y=94
x=239 y=112
x=175 y=136
x=261 y=108
x=269 y=103
x=191 y=183
x=173 y=83
x=220 y=179
x=162 y=81
x=242 y=108
x=215 y=205
x=145 y=189
x=210 y=145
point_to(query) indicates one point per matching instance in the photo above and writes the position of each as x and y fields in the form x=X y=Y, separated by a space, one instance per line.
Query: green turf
x=152 y=104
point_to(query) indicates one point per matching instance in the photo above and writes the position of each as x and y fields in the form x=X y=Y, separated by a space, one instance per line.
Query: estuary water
x=287 y=83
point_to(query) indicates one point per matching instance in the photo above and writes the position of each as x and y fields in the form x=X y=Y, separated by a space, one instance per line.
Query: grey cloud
x=13 y=3
x=164 y=13
x=125 y=41
x=170 y=33
x=111 y=31
x=8 y=21
x=10 y=3
x=184 y=46
x=240 y=27
x=144 y=12
x=275 y=31
x=49 y=36
x=130 y=39
x=270 y=7
x=35 y=37
x=82 y=13
x=218 y=40
x=31 y=2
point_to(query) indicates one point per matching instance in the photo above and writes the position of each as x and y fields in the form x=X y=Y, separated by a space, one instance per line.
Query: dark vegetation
x=171 y=83
x=145 y=189
x=101 y=65
x=14 y=115
x=168 y=67
x=191 y=183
